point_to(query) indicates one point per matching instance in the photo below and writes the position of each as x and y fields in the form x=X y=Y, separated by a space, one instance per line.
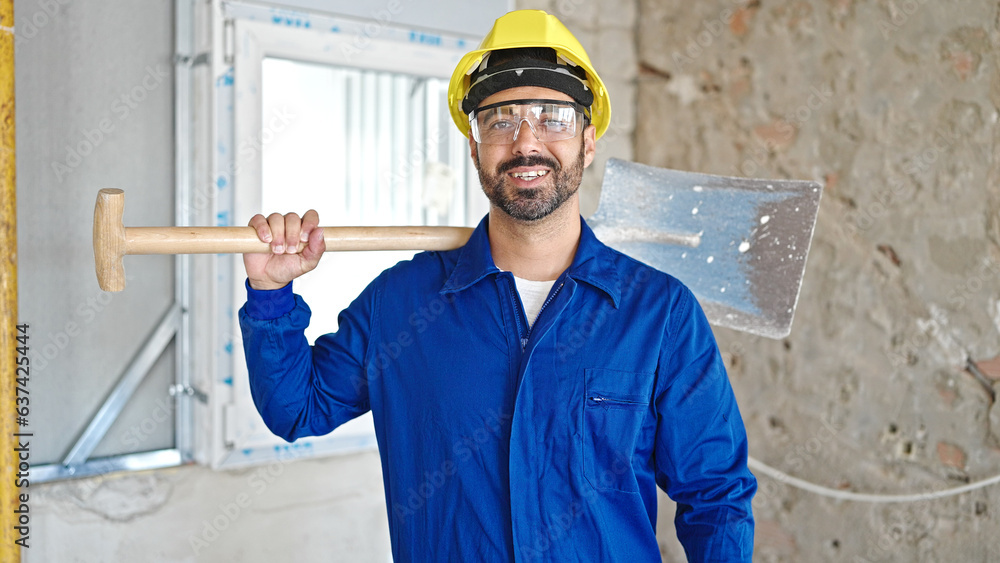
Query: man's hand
x=296 y=246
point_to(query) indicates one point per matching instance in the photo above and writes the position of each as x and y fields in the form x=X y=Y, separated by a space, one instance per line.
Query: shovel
x=739 y=244
x=644 y=211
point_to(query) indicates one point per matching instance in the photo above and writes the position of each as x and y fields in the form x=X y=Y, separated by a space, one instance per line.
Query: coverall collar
x=591 y=265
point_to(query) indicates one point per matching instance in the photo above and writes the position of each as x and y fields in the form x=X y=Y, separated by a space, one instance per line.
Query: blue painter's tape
x=229 y=347
x=292 y=21
x=425 y=38
x=247 y=452
x=228 y=381
x=221 y=182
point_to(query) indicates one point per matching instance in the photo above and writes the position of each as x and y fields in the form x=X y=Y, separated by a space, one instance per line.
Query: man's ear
x=474 y=150
x=589 y=144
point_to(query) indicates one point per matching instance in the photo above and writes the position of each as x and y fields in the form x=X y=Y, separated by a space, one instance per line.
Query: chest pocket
x=615 y=404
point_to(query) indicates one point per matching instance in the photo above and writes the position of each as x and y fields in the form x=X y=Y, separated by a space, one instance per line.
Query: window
x=355 y=126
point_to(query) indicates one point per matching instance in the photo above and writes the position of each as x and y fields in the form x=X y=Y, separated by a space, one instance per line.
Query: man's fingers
x=315 y=247
x=287 y=234
x=293 y=228
x=259 y=224
x=277 y=223
x=309 y=222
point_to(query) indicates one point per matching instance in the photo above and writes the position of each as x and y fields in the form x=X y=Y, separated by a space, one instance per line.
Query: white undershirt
x=533 y=294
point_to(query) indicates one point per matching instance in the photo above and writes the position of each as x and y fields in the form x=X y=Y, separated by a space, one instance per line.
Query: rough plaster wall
x=894 y=106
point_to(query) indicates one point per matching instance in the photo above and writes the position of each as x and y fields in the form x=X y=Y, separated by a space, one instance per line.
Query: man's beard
x=531 y=204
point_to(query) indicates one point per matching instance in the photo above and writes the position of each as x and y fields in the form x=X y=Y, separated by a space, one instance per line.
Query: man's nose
x=527 y=142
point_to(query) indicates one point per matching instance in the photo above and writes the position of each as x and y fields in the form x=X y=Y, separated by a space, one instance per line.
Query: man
x=531 y=389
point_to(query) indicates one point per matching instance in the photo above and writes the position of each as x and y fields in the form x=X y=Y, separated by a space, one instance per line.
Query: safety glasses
x=549 y=120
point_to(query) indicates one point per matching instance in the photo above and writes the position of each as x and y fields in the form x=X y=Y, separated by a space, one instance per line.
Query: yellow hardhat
x=521 y=29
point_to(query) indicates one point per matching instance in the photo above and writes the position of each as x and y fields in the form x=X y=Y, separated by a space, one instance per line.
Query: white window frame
x=251 y=34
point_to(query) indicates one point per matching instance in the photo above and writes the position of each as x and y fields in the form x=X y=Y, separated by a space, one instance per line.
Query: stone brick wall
x=893 y=105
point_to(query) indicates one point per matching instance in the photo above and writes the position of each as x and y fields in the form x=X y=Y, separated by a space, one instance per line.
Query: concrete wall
x=320 y=510
x=894 y=106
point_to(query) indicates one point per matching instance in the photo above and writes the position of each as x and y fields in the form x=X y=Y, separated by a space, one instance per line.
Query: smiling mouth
x=529 y=175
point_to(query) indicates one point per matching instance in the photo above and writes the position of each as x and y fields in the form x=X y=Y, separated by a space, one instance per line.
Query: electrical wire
x=782 y=477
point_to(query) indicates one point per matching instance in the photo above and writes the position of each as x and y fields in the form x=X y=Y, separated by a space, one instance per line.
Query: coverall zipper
x=527 y=335
x=599 y=400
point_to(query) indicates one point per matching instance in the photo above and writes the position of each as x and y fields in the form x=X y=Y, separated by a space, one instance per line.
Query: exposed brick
x=994 y=419
x=777 y=135
x=951 y=455
x=831 y=180
x=990 y=367
x=962 y=63
x=740 y=23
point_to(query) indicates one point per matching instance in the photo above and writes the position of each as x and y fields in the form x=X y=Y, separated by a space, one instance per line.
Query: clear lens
x=549 y=121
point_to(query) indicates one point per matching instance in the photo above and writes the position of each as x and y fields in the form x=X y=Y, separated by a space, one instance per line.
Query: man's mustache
x=533 y=160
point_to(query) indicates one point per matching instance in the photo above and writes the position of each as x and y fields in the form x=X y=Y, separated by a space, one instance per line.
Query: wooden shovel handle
x=112 y=240
x=243 y=240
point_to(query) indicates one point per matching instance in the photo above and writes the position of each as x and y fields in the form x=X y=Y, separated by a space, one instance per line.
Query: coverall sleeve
x=302 y=390
x=701 y=443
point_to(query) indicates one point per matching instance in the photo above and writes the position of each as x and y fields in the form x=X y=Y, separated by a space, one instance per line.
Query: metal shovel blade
x=739 y=244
